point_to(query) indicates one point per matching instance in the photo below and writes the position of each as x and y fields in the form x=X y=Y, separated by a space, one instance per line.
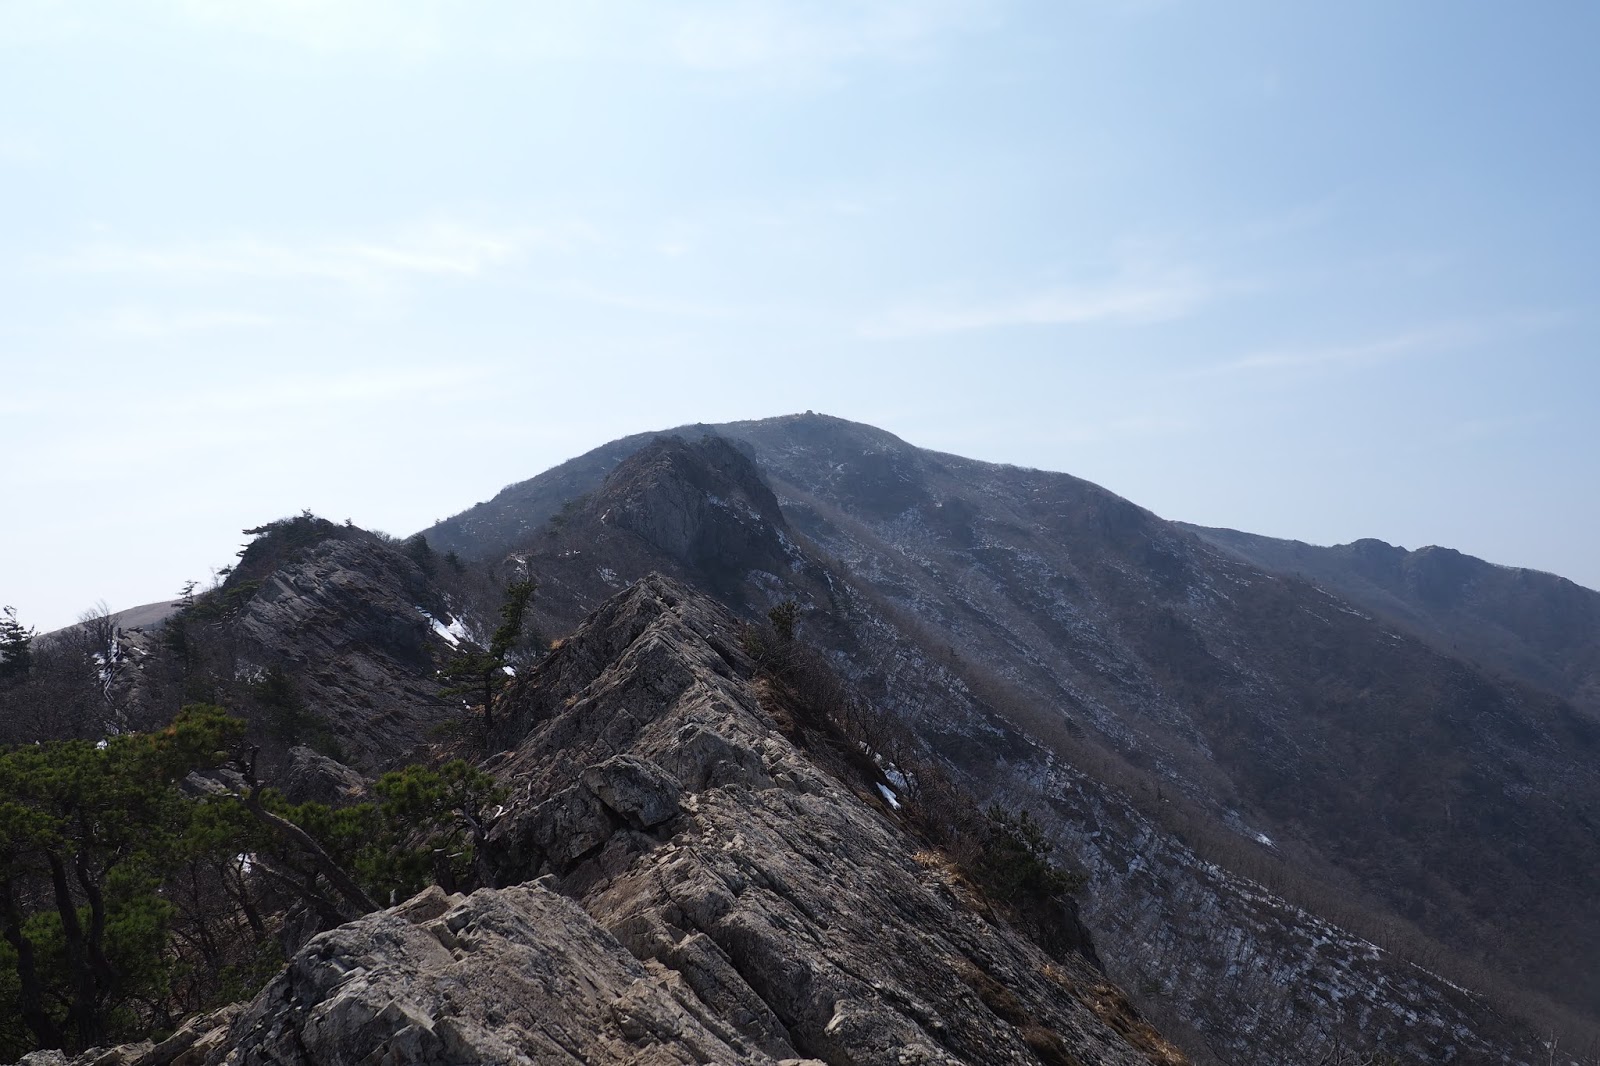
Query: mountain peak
x=702 y=503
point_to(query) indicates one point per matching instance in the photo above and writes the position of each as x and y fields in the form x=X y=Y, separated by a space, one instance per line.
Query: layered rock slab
x=653 y=789
x=504 y=976
x=681 y=884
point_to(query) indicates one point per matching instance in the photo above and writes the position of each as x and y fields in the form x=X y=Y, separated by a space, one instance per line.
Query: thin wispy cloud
x=442 y=250
x=810 y=41
x=646 y=303
x=237 y=418
x=1133 y=427
x=1136 y=298
x=370 y=388
x=1380 y=350
x=20 y=150
x=168 y=396
x=393 y=26
x=784 y=40
x=33 y=22
x=150 y=323
x=1405 y=344
x=409 y=30
x=1480 y=429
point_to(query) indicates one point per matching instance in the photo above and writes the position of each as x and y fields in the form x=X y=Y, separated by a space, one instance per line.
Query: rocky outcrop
x=654 y=789
x=682 y=885
x=324 y=636
x=518 y=512
x=503 y=976
x=313 y=777
x=198 y=1040
x=702 y=503
x=345 y=621
x=697 y=510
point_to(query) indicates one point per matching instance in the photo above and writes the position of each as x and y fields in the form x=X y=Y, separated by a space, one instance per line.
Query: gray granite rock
x=680 y=884
x=792 y=912
x=315 y=777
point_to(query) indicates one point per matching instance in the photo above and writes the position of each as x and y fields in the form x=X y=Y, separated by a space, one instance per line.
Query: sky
x=1313 y=270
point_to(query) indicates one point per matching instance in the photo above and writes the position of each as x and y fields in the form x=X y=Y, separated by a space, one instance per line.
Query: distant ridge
x=1538 y=627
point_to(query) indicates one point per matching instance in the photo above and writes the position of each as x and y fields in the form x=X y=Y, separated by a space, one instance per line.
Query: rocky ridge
x=682 y=885
x=1535 y=626
x=323 y=635
x=698 y=510
x=348 y=621
x=706 y=842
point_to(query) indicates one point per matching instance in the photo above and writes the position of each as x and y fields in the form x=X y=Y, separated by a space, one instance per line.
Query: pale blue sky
x=1313 y=270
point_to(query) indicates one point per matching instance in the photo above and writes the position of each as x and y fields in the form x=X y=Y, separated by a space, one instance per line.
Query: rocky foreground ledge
x=684 y=885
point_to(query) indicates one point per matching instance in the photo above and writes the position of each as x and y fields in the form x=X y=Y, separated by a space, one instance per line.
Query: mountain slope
x=679 y=884
x=1278 y=714
x=662 y=796
x=519 y=511
x=696 y=509
x=322 y=634
x=1535 y=626
x=1367 y=757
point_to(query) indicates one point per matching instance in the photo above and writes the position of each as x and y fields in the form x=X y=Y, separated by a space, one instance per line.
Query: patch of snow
x=888 y=794
x=445 y=632
x=453 y=633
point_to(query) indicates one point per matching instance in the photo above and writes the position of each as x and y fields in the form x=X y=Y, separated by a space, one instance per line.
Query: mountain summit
x=1021 y=617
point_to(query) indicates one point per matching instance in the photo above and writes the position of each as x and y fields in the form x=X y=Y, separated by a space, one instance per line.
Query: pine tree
x=15 y=638
x=87 y=834
x=480 y=673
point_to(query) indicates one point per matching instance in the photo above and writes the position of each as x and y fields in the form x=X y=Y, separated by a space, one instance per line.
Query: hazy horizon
x=210 y=575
